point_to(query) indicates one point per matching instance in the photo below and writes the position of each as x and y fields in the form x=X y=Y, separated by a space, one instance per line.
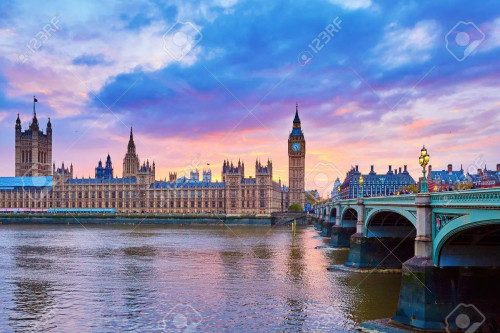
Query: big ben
x=296 y=161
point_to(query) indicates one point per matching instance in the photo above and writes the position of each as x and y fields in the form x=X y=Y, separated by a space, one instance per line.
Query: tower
x=233 y=176
x=33 y=148
x=131 y=159
x=296 y=161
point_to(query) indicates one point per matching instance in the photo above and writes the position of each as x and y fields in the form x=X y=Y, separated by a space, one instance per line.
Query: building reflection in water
x=33 y=295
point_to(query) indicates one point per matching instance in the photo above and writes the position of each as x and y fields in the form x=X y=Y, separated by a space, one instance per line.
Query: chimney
x=405 y=168
x=450 y=168
x=479 y=172
x=396 y=171
x=400 y=170
x=390 y=169
x=356 y=168
x=372 y=171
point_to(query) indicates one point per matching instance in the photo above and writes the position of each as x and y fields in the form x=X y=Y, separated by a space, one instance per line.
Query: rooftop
x=7 y=183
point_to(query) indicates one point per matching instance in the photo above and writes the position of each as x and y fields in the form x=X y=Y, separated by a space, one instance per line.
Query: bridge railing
x=489 y=197
x=404 y=198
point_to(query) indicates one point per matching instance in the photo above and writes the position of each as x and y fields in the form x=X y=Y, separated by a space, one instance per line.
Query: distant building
x=485 y=178
x=285 y=198
x=335 y=190
x=38 y=187
x=374 y=184
x=313 y=193
x=445 y=180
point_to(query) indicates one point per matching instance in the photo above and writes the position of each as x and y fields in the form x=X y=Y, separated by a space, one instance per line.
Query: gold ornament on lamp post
x=361 y=181
x=423 y=160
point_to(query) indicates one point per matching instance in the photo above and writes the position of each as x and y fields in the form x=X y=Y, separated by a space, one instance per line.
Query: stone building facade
x=33 y=148
x=375 y=185
x=138 y=191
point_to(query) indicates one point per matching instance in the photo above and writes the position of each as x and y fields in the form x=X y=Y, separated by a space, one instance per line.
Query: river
x=153 y=278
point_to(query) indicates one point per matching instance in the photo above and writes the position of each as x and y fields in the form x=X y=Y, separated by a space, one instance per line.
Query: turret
x=18 y=124
x=172 y=176
x=49 y=127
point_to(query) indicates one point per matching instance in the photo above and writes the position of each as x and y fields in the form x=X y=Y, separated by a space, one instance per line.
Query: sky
x=204 y=81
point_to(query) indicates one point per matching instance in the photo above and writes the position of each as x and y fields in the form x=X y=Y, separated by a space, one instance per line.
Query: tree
x=464 y=186
x=310 y=199
x=295 y=208
x=410 y=189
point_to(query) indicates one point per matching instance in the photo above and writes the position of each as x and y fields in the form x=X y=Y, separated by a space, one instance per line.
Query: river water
x=181 y=279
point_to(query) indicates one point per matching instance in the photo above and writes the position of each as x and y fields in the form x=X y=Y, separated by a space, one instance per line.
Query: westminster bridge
x=447 y=244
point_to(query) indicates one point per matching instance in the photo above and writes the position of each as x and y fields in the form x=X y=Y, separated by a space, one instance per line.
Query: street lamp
x=361 y=180
x=424 y=160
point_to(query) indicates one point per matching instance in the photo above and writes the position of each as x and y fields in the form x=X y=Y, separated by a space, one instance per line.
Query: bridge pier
x=432 y=296
x=341 y=236
x=316 y=224
x=378 y=252
x=326 y=229
x=342 y=231
x=429 y=295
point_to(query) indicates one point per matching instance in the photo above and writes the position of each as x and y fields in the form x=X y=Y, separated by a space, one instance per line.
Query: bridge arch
x=349 y=217
x=333 y=214
x=389 y=223
x=411 y=216
x=474 y=244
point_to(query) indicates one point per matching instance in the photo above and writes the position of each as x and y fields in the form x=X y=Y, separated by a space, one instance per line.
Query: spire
x=131 y=144
x=296 y=130
x=296 y=119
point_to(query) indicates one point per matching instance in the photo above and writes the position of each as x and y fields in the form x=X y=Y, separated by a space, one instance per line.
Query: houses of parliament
x=40 y=186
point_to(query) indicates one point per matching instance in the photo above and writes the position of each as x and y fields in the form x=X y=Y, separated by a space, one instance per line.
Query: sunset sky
x=371 y=92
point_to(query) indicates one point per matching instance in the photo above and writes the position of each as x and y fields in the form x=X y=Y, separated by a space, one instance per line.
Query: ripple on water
x=115 y=278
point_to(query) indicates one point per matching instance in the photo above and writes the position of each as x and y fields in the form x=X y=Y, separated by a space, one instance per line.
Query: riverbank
x=132 y=219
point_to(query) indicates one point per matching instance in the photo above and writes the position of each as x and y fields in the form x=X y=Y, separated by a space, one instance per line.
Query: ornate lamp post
x=361 y=181
x=424 y=160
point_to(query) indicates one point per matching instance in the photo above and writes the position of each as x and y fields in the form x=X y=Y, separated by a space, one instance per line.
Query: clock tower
x=296 y=161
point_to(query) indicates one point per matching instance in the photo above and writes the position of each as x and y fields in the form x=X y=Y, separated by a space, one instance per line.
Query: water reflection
x=114 y=278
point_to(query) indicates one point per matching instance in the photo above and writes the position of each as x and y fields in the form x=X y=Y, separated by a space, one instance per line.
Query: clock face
x=296 y=146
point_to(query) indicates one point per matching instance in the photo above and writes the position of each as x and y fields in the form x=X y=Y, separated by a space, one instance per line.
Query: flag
x=34 y=99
